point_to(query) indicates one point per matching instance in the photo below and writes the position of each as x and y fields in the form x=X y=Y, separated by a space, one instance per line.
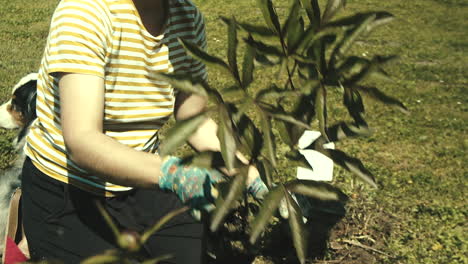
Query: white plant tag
x=321 y=164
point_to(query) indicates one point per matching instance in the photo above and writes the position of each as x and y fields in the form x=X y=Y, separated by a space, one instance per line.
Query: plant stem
x=289 y=81
x=286 y=54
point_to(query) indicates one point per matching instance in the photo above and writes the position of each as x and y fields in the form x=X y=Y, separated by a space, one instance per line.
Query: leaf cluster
x=312 y=47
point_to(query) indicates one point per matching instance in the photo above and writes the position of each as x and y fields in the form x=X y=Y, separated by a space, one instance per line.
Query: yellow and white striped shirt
x=107 y=38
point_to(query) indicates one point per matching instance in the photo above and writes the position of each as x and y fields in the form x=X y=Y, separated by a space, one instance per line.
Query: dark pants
x=62 y=222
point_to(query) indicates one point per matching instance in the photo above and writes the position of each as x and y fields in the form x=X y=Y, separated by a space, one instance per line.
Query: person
x=100 y=109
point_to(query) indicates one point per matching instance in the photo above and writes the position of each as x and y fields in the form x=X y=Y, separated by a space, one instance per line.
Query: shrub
x=312 y=48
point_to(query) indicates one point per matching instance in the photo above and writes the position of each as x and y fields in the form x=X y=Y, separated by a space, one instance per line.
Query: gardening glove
x=303 y=203
x=257 y=188
x=193 y=185
x=301 y=200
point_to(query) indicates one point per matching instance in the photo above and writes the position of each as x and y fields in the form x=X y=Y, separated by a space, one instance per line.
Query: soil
x=354 y=234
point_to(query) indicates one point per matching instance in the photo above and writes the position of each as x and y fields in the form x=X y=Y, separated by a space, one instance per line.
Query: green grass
x=419 y=213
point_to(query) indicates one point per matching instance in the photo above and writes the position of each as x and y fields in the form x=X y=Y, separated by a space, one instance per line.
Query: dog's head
x=20 y=110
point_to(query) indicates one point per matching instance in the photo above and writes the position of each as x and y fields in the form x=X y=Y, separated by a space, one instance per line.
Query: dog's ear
x=25 y=99
x=32 y=77
x=31 y=102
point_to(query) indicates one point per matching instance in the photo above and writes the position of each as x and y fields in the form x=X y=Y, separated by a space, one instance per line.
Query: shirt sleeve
x=78 y=39
x=198 y=68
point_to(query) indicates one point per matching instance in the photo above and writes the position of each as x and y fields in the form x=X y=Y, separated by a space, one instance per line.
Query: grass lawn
x=418 y=215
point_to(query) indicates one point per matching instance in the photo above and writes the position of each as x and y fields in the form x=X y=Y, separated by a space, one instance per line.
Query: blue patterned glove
x=257 y=188
x=193 y=186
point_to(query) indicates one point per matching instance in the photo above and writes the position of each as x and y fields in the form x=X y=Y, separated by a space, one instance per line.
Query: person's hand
x=256 y=187
x=193 y=186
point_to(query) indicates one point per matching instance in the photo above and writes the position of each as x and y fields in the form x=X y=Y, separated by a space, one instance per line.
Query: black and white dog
x=17 y=113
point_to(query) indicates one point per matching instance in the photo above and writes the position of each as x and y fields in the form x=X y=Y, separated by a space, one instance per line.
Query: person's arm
x=82 y=115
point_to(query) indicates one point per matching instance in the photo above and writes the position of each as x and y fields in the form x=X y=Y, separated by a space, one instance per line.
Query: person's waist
x=85 y=183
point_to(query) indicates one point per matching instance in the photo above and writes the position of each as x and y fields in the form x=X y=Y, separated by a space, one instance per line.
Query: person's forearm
x=206 y=139
x=113 y=161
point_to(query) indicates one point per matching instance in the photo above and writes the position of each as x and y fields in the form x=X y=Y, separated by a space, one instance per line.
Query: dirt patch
x=361 y=235
x=355 y=237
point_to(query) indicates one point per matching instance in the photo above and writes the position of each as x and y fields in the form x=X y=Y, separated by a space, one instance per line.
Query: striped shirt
x=107 y=38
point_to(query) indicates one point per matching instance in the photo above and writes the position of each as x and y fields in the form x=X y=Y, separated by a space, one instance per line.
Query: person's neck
x=153 y=14
x=148 y=5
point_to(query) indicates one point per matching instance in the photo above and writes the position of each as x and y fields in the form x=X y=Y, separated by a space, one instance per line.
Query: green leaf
x=290 y=134
x=274 y=93
x=269 y=206
x=205 y=159
x=293 y=16
x=266 y=173
x=216 y=96
x=269 y=14
x=308 y=37
x=238 y=113
x=200 y=54
x=161 y=222
x=267 y=61
x=380 y=21
x=303 y=59
x=296 y=159
x=312 y=8
x=248 y=65
x=179 y=133
x=284 y=116
x=101 y=259
x=344 y=130
x=305 y=101
x=353 y=102
x=351 y=37
x=251 y=140
x=364 y=69
x=268 y=137
x=285 y=134
x=333 y=7
x=381 y=18
x=360 y=69
x=232 y=47
x=283 y=68
x=315 y=189
x=110 y=223
x=382 y=97
x=158 y=259
x=225 y=203
x=256 y=30
x=351 y=164
x=381 y=74
x=310 y=86
x=226 y=138
x=321 y=110
x=319 y=50
x=264 y=48
x=298 y=229
x=183 y=83
x=232 y=92
x=293 y=27
x=352 y=64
